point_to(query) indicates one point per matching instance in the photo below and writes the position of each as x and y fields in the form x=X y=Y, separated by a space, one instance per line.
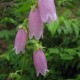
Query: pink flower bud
x=40 y=62
x=47 y=10
x=35 y=24
x=20 y=41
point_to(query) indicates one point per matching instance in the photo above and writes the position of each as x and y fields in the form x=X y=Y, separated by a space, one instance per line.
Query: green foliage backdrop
x=61 y=41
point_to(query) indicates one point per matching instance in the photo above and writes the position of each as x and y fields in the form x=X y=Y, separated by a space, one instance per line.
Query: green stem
x=24 y=57
x=23 y=64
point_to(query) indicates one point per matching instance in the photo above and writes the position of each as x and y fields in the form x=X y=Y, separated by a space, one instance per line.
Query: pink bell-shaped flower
x=20 y=41
x=40 y=62
x=35 y=24
x=47 y=10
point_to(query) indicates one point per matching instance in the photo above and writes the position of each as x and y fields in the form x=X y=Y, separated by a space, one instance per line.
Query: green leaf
x=76 y=29
x=78 y=66
x=3 y=76
x=66 y=56
x=24 y=7
x=7 y=33
x=65 y=31
x=59 y=30
x=53 y=26
x=78 y=77
x=68 y=26
x=78 y=53
x=4 y=56
x=71 y=51
x=14 y=75
x=53 y=50
x=7 y=19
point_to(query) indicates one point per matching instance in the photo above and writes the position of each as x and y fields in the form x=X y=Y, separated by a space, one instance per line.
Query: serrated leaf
x=68 y=26
x=65 y=31
x=78 y=53
x=66 y=56
x=71 y=51
x=7 y=19
x=76 y=29
x=53 y=26
x=59 y=30
x=53 y=50
x=24 y=7
x=4 y=56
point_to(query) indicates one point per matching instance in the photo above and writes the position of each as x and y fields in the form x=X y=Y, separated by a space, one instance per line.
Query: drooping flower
x=40 y=62
x=20 y=41
x=47 y=10
x=35 y=24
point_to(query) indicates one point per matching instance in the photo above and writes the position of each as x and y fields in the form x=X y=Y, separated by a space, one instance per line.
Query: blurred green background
x=61 y=41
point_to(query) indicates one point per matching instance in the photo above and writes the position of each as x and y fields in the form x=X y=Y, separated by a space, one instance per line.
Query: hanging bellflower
x=40 y=62
x=35 y=24
x=47 y=10
x=20 y=41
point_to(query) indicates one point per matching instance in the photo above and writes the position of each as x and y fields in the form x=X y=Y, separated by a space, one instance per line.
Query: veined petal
x=40 y=62
x=20 y=41
x=47 y=10
x=35 y=24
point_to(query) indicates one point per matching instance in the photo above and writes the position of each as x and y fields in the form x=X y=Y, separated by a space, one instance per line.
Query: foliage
x=61 y=41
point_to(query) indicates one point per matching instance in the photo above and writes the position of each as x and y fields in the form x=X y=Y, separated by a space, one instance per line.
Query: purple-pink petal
x=47 y=10
x=20 y=41
x=35 y=24
x=40 y=62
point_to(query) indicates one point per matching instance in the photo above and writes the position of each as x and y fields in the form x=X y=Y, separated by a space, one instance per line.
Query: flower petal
x=47 y=10
x=35 y=24
x=20 y=41
x=40 y=62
